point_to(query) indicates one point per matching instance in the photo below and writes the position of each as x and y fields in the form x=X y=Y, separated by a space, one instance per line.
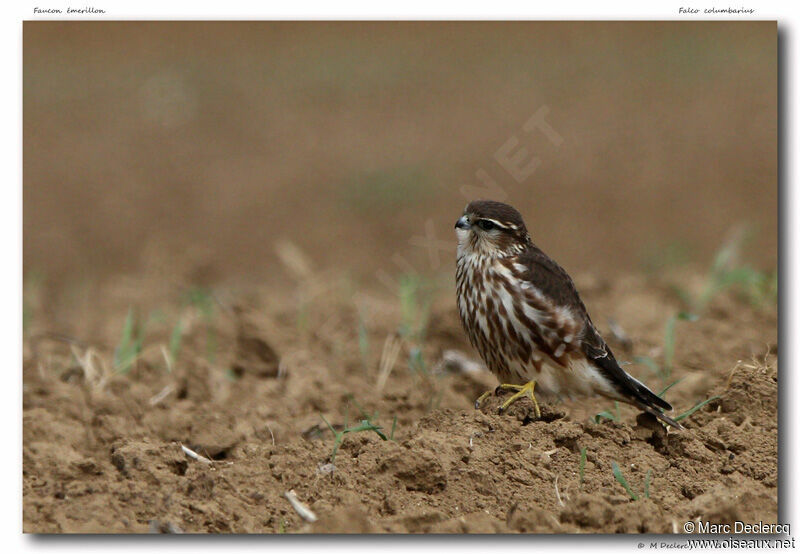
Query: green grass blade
x=687 y=413
x=124 y=341
x=329 y=425
x=417 y=362
x=128 y=348
x=336 y=444
x=688 y=316
x=622 y=481
x=363 y=343
x=582 y=464
x=337 y=438
x=664 y=391
x=605 y=414
x=369 y=426
x=175 y=341
x=141 y=329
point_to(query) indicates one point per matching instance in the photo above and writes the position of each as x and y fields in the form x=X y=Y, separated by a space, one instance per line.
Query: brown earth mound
x=247 y=389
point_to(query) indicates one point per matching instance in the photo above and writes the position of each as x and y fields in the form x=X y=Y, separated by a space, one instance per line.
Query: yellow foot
x=522 y=390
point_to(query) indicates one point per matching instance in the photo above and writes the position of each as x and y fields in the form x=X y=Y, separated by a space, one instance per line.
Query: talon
x=481 y=398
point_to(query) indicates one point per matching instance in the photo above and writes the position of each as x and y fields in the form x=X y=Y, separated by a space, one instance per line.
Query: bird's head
x=492 y=229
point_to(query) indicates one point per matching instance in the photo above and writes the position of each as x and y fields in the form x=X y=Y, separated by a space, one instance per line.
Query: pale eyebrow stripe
x=499 y=224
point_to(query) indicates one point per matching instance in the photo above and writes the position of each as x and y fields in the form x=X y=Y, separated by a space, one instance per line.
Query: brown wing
x=551 y=280
x=555 y=285
x=560 y=316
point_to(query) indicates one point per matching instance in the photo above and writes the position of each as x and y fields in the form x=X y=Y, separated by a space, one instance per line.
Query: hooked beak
x=462 y=223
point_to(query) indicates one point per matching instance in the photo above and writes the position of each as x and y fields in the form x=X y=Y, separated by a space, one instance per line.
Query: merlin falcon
x=524 y=316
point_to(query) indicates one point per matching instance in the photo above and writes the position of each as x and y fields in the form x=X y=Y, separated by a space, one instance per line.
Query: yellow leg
x=522 y=390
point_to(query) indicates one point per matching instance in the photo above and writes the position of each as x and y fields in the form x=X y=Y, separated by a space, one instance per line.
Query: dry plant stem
x=302 y=510
x=391 y=350
x=558 y=495
x=158 y=398
x=194 y=455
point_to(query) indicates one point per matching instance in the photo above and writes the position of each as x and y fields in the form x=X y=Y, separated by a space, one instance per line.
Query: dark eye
x=485 y=224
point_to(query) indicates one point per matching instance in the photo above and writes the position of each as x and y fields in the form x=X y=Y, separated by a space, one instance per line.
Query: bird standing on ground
x=523 y=314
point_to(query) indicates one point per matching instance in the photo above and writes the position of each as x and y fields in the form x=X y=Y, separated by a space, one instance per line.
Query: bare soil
x=255 y=375
x=167 y=164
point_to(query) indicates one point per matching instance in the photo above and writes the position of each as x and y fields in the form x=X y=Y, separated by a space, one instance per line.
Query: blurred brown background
x=216 y=140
